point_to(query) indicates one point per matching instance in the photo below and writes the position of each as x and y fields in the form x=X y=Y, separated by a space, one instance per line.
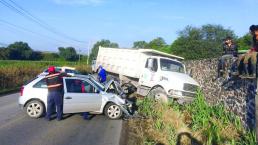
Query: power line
x=29 y=31
x=21 y=11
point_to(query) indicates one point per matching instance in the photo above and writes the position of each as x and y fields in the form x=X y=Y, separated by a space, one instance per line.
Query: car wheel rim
x=34 y=109
x=113 y=111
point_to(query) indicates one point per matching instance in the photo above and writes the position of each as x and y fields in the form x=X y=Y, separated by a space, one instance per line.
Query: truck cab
x=169 y=75
x=153 y=73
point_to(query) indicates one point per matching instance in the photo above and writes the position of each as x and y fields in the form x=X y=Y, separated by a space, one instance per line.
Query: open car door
x=80 y=95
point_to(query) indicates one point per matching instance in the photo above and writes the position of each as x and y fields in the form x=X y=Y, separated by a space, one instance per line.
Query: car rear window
x=29 y=81
x=41 y=84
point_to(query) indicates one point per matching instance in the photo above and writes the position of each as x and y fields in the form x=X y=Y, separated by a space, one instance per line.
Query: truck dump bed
x=128 y=62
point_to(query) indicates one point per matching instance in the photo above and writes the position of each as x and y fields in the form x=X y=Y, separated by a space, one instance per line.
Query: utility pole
x=256 y=111
x=88 y=57
x=79 y=55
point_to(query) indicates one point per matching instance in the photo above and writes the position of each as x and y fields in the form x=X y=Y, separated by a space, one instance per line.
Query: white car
x=68 y=70
x=81 y=94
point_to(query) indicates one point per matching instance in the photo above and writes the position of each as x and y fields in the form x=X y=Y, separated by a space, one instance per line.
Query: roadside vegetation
x=193 y=124
x=15 y=73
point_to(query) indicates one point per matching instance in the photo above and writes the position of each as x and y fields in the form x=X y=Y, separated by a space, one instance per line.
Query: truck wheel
x=113 y=111
x=35 y=109
x=158 y=94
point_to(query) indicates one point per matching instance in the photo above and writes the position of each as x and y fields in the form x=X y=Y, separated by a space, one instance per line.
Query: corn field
x=13 y=74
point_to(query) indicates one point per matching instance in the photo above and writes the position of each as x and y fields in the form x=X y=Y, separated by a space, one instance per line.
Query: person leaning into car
x=54 y=82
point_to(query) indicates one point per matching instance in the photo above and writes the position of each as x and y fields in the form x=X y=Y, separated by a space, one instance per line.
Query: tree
x=49 y=56
x=19 y=51
x=203 y=42
x=68 y=53
x=140 y=44
x=36 y=55
x=3 y=53
x=245 y=42
x=103 y=43
x=157 y=43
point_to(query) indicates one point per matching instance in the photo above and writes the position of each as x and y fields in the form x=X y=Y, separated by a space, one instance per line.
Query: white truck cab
x=153 y=73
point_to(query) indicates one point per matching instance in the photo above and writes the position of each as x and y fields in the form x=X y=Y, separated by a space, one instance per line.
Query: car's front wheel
x=35 y=109
x=113 y=111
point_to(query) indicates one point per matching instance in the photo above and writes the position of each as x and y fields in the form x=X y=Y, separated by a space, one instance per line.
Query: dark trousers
x=54 y=101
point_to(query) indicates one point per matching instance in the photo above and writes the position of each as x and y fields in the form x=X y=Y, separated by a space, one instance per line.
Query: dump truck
x=153 y=73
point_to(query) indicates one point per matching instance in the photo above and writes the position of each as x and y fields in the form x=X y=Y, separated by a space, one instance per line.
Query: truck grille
x=190 y=87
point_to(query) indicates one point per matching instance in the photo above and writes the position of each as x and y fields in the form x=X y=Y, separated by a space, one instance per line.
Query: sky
x=80 y=23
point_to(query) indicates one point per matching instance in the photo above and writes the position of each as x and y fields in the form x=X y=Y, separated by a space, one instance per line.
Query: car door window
x=74 y=85
x=88 y=88
x=79 y=86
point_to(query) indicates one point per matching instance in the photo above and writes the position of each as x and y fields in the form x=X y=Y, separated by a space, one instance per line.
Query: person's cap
x=253 y=28
x=51 y=69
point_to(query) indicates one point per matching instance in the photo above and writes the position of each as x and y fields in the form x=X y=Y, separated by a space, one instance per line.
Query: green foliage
x=214 y=124
x=200 y=42
x=4 y=54
x=69 y=53
x=157 y=43
x=103 y=43
x=140 y=44
x=19 y=51
x=49 y=56
x=245 y=42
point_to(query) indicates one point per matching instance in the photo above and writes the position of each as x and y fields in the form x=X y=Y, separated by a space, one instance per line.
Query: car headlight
x=163 y=78
x=175 y=92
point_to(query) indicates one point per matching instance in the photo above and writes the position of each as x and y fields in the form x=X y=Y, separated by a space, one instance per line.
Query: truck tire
x=35 y=109
x=158 y=94
x=113 y=111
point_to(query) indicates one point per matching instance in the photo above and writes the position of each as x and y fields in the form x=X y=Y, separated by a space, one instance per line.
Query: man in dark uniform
x=54 y=82
x=229 y=52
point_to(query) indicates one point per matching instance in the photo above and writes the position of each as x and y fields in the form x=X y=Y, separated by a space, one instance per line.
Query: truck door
x=80 y=96
x=149 y=75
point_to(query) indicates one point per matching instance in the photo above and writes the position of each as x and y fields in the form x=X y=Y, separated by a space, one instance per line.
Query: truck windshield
x=170 y=65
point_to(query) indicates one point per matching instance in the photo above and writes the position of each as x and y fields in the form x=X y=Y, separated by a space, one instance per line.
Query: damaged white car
x=81 y=94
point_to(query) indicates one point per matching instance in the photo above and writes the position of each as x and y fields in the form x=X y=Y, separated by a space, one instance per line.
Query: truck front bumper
x=183 y=97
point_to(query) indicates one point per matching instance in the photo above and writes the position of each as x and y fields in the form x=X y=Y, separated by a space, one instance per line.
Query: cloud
x=79 y=2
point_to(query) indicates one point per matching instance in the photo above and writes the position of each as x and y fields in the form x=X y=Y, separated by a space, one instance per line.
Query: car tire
x=158 y=94
x=113 y=111
x=35 y=109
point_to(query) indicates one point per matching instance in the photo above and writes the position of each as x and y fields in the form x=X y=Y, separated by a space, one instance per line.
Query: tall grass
x=195 y=123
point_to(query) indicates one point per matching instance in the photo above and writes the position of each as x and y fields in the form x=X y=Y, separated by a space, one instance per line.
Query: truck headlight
x=163 y=78
x=175 y=92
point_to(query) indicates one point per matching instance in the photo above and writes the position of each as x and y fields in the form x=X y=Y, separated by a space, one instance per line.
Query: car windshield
x=100 y=86
x=71 y=71
x=170 y=65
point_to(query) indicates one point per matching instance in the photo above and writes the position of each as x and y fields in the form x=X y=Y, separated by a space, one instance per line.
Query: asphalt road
x=16 y=128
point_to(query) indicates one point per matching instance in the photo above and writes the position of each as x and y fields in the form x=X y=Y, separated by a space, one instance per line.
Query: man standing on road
x=54 y=82
x=102 y=75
